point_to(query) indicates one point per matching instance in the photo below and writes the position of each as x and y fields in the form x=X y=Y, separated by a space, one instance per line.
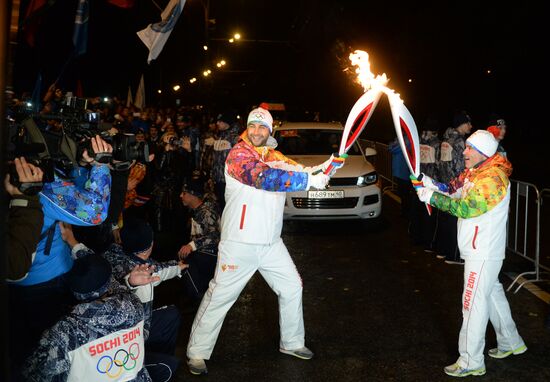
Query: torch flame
x=366 y=78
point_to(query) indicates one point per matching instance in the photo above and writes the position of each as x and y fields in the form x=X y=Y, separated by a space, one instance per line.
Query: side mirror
x=369 y=152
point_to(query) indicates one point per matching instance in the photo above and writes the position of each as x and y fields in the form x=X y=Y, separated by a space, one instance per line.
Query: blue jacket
x=84 y=202
x=399 y=166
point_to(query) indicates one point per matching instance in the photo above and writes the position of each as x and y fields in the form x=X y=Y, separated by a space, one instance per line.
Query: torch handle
x=428 y=207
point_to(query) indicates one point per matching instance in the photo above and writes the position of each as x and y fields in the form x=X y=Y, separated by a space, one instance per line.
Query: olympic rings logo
x=122 y=359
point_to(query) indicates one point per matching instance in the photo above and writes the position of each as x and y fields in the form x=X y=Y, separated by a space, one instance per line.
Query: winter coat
x=451 y=157
x=480 y=197
x=257 y=179
x=83 y=202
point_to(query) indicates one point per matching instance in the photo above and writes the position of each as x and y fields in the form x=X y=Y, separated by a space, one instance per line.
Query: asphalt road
x=376 y=308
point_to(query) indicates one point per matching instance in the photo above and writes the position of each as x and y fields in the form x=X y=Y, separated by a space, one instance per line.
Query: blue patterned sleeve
x=250 y=171
x=86 y=205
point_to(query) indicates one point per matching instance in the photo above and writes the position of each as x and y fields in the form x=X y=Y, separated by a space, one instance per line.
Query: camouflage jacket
x=452 y=157
x=205 y=227
x=225 y=140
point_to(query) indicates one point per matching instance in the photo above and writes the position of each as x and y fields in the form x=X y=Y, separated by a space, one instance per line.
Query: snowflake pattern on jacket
x=251 y=166
x=208 y=219
x=452 y=155
x=122 y=264
x=87 y=321
x=482 y=188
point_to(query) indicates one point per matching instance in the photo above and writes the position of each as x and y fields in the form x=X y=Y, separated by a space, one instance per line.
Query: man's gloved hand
x=318 y=181
x=415 y=182
x=424 y=180
x=424 y=194
x=336 y=162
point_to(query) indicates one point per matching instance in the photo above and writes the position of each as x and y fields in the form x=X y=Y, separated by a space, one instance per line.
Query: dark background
x=295 y=52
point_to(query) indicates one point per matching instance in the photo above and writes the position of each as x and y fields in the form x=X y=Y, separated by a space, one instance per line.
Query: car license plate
x=324 y=194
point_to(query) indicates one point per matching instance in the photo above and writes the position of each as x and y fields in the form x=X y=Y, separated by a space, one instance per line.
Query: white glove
x=429 y=182
x=318 y=181
x=424 y=194
x=336 y=162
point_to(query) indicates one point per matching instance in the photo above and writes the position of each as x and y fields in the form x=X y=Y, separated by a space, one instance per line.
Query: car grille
x=324 y=203
x=343 y=182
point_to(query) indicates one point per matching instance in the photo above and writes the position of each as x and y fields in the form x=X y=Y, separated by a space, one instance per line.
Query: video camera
x=55 y=142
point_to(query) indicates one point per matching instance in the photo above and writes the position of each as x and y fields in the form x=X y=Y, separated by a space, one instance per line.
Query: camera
x=174 y=141
x=125 y=148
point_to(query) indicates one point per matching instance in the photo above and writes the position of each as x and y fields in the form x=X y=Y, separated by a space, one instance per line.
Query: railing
x=526 y=202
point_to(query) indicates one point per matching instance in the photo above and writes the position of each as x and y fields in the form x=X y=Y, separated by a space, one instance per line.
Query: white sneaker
x=499 y=354
x=302 y=353
x=455 y=370
x=197 y=366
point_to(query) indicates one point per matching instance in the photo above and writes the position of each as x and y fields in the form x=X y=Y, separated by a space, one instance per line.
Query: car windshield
x=311 y=142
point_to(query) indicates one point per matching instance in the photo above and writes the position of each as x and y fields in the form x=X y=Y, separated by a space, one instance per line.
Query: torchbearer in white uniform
x=479 y=197
x=257 y=177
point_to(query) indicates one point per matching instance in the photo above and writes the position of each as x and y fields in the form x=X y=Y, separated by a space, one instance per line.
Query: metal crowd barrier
x=526 y=202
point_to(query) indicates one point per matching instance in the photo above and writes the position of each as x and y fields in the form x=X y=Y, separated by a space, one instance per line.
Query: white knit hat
x=484 y=142
x=261 y=116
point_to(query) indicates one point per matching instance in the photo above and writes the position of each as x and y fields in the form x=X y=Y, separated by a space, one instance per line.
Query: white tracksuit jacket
x=251 y=224
x=482 y=208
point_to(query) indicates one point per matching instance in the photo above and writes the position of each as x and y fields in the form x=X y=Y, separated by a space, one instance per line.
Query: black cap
x=136 y=236
x=228 y=117
x=460 y=118
x=89 y=277
x=195 y=185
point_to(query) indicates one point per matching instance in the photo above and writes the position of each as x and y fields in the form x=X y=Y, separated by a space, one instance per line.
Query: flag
x=129 y=99
x=37 y=91
x=125 y=4
x=155 y=35
x=79 y=92
x=140 y=95
x=80 y=33
x=32 y=20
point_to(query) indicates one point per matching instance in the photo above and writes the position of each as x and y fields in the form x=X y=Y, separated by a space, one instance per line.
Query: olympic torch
x=404 y=122
x=363 y=108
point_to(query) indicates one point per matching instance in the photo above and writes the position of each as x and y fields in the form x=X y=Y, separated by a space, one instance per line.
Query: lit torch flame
x=373 y=87
x=365 y=77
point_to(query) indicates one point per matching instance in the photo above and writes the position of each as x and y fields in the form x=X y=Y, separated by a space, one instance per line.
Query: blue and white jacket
x=83 y=201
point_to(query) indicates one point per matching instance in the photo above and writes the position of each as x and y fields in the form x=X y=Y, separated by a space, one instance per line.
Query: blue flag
x=37 y=91
x=155 y=35
x=80 y=34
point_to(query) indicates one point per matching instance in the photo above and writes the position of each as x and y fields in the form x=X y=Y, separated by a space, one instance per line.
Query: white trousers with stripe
x=237 y=263
x=483 y=299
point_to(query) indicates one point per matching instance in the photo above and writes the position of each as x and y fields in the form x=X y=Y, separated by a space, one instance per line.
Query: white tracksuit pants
x=483 y=299
x=237 y=262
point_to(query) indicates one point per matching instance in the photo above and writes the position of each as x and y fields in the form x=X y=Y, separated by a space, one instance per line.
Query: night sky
x=446 y=48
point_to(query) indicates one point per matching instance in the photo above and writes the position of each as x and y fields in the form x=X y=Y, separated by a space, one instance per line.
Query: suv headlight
x=365 y=180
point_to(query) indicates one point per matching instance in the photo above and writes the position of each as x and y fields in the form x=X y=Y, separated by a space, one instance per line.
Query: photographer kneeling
x=40 y=297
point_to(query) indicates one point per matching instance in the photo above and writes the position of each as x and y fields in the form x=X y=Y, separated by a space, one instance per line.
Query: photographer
x=172 y=166
x=25 y=219
x=37 y=300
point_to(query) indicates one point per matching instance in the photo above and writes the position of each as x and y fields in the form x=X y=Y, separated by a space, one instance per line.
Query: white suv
x=353 y=192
